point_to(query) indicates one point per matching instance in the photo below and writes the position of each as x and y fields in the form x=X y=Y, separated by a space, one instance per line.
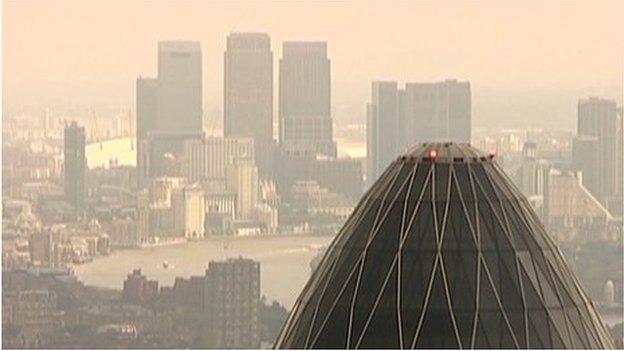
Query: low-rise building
x=29 y=317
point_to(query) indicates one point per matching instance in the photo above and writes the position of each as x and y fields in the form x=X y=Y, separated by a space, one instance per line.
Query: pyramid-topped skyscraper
x=443 y=252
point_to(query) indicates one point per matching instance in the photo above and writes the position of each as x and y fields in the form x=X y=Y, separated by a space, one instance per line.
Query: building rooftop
x=443 y=251
x=446 y=152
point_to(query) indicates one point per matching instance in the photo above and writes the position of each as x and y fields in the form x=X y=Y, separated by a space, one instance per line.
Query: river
x=122 y=151
x=284 y=263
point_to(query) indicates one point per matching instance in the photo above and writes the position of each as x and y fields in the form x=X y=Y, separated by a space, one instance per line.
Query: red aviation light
x=433 y=155
x=491 y=154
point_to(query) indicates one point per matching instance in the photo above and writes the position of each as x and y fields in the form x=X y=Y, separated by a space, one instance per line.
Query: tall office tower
x=232 y=297
x=242 y=178
x=585 y=160
x=305 y=99
x=75 y=165
x=598 y=118
x=206 y=159
x=618 y=206
x=443 y=253
x=421 y=112
x=439 y=111
x=170 y=103
x=179 y=93
x=248 y=94
x=145 y=121
x=382 y=128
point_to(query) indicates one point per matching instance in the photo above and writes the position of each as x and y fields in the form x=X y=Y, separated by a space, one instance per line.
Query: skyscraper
x=170 y=103
x=443 y=252
x=598 y=118
x=382 y=128
x=146 y=114
x=439 y=111
x=75 y=165
x=585 y=160
x=420 y=112
x=248 y=93
x=305 y=99
x=616 y=205
x=179 y=94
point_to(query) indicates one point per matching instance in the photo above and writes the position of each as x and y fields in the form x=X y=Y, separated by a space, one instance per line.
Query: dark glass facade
x=443 y=252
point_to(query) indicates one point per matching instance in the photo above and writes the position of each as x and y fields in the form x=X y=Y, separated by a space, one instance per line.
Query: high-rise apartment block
x=397 y=119
x=232 y=298
x=75 y=165
x=305 y=99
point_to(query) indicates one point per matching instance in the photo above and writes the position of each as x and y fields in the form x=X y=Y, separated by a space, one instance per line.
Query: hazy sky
x=526 y=61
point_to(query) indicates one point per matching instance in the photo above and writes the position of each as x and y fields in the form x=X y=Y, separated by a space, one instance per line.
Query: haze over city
x=527 y=62
x=326 y=175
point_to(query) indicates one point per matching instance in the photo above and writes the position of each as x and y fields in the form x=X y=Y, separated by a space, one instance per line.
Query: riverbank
x=284 y=262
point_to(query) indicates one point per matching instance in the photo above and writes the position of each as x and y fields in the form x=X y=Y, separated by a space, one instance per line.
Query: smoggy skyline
x=527 y=63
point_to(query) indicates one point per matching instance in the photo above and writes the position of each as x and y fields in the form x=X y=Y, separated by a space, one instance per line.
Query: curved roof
x=443 y=252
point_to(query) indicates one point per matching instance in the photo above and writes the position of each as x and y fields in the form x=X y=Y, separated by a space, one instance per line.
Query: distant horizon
x=528 y=64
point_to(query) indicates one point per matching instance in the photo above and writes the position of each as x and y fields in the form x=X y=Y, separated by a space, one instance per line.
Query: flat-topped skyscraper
x=437 y=111
x=75 y=165
x=305 y=98
x=420 y=112
x=382 y=128
x=248 y=93
x=170 y=103
x=598 y=118
x=146 y=114
x=179 y=97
